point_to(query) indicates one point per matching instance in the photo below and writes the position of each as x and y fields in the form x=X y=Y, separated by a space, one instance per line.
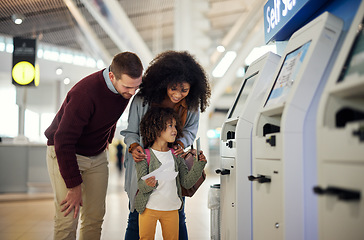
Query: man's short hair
x=126 y=63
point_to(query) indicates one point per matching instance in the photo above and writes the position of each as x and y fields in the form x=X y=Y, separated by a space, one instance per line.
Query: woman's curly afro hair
x=154 y=122
x=171 y=68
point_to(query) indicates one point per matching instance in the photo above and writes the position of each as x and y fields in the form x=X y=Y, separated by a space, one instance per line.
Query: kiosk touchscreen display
x=287 y=75
x=354 y=65
x=242 y=96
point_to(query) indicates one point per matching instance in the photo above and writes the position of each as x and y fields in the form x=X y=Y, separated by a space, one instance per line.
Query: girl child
x=174 y=80
x=161 y=200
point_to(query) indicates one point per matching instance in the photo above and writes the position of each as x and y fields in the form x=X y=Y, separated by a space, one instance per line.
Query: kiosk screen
x=287 y=74
x=354 y=65
x=243 y=95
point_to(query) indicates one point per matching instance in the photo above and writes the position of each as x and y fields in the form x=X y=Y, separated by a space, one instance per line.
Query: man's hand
x=138 y=154
x=72 y=201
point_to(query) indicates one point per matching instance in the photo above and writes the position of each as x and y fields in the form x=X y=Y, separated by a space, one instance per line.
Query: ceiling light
x=257 y=52
x=18 y=18
x=66 y=81
x=59 y=71
x=240 y=72
x=224 y=64
x=220 y=48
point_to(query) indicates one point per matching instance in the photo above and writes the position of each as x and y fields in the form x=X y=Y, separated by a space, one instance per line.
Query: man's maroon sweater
x=84 y=124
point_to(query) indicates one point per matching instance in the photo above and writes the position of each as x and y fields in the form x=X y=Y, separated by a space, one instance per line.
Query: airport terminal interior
x=283 y=133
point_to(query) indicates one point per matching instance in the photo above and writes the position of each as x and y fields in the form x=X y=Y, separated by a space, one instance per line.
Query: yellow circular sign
x=37 y=75
x=23 y=73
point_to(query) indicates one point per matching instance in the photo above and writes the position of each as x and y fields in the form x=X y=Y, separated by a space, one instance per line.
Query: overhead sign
x=283 y=17
x=24 y=71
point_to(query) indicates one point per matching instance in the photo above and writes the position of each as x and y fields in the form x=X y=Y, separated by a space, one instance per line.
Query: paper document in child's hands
x=161 y=174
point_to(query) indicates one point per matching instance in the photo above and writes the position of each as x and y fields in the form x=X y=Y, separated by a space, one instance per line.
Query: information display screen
x=243 y=95
x=287 y=75
x=354 y=65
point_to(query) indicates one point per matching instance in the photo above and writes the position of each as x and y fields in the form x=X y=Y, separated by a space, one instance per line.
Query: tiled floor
x=30 y=216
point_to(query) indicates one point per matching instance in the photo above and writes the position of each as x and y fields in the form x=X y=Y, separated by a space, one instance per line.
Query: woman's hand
x=138 y=154
x=151 y=182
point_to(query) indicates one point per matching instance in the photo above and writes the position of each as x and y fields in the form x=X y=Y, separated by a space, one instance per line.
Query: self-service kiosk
x=235 y=200
x=278 y=182
x=340 y=142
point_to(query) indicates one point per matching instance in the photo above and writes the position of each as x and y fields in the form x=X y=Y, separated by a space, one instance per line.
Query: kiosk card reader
x=340 y=142
x=278 y=182
x=235 y=148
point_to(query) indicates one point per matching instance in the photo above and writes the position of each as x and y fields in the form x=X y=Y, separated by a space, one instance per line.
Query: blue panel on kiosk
x=342 y=10
x=283 y=17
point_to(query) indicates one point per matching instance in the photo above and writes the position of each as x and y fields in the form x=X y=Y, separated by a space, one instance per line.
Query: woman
x=174 y=80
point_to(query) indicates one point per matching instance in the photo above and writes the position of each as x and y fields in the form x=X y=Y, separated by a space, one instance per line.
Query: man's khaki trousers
x=95 y=174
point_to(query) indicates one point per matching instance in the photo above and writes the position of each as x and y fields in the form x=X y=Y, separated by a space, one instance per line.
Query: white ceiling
x=103 y=28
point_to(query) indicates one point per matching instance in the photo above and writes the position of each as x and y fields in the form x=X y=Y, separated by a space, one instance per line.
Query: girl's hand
x=202 y=157
x=151 y=182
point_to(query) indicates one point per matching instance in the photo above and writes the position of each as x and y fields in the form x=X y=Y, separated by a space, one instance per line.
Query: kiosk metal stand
x=278 y=168
x=235 y=205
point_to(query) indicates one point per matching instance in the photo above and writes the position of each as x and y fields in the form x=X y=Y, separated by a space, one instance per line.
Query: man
x=78 y=139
